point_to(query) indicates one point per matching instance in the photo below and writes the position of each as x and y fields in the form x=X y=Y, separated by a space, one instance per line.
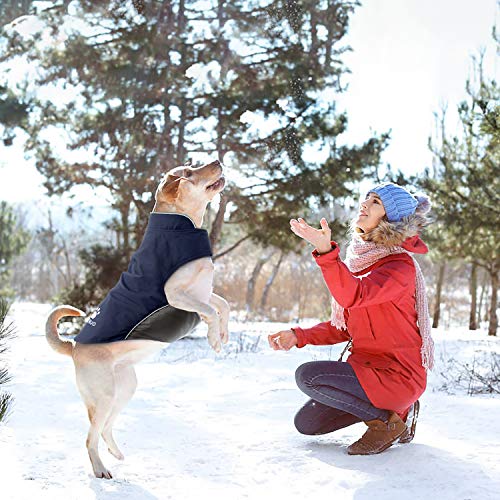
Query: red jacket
x=381 y=320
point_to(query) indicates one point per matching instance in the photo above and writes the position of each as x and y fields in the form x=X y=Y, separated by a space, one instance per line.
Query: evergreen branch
x=120 y=31
x=5 y=405
x=4 y=376
x=232 y=247
x=485 y=265
x=6 y=332
x=276 y=57
x=466 y=199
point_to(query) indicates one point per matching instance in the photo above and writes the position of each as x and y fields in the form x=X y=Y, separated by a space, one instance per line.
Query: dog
x=105 y=372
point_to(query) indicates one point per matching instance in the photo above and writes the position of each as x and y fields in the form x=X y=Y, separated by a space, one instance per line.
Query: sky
x=409 y=58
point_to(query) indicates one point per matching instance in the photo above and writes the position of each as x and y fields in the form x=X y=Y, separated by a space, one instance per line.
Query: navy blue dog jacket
x=137 y=305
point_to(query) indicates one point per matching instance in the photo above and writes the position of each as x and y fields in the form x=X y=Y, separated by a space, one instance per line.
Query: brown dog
x=105 y=372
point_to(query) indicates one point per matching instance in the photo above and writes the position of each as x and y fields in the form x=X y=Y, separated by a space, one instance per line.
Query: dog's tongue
x=216 y=183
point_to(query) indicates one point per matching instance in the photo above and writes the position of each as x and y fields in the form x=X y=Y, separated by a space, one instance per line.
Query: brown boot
x=379 y=436
x=411 y=423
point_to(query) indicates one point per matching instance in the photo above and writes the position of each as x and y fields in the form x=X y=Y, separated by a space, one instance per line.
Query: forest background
x=104 y=97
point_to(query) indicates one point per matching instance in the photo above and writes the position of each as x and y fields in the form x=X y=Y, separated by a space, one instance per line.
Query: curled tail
x=51 y=333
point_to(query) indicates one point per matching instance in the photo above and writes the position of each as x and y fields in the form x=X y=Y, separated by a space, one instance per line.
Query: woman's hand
x=283 y=341
x=320 y=238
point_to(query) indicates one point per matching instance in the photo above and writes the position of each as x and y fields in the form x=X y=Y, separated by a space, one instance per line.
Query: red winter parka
x=381 y=319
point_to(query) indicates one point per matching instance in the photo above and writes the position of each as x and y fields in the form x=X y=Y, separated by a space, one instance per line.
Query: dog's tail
x=55 y=341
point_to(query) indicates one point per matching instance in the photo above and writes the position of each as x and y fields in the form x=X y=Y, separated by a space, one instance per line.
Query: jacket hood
x=415 y=245
x=404 y=233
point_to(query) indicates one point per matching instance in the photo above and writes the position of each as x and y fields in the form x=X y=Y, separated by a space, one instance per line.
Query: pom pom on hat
x=424 y=204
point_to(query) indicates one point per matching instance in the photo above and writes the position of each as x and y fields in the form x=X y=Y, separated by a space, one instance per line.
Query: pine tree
x=13 y=109
x=283 y=76
x=13 y=240
x=465 y=183
x=140 y=109
x=6 y=333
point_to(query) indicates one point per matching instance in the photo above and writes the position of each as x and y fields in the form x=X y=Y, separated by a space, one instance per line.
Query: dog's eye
x=187 y=173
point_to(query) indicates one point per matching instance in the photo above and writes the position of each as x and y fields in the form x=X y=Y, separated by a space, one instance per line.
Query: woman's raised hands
x=320 y=238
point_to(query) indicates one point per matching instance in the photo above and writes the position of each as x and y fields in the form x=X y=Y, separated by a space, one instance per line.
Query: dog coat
x=170 y=241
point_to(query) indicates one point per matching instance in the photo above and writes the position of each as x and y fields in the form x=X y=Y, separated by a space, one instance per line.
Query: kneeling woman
x=378 y=305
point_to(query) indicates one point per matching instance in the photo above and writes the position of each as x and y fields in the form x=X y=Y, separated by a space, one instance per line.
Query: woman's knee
x=304 y=374
x=304 y=425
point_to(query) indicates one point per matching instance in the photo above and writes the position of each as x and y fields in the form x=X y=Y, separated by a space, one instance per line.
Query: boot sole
x=409 y=433
x=388 y=445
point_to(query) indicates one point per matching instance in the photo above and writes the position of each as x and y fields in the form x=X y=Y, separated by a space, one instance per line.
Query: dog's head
x=191 y=185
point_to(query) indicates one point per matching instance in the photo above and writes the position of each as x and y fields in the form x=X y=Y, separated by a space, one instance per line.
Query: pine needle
x=6 y=334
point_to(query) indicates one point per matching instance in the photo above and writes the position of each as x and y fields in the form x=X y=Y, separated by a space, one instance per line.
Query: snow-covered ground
x=206 y=426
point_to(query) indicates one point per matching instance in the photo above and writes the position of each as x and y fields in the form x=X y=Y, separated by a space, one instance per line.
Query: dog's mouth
x=218 y=184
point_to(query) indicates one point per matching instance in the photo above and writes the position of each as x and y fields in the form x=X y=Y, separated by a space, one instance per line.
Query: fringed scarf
x=361 y=255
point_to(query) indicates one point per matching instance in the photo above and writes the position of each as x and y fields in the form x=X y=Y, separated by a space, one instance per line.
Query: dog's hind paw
x=215 y=344
x=117 y=453
x=103 y=474
x=224 y=331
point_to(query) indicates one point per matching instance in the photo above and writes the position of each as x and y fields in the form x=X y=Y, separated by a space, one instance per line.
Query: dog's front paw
x=116 y=453
x=214 y=343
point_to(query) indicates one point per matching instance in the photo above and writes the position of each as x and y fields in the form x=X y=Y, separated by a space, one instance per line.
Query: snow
x=203 y=425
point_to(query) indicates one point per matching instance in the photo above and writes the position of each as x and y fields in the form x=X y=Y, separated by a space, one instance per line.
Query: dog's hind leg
x=97 y=386
x=126 y=384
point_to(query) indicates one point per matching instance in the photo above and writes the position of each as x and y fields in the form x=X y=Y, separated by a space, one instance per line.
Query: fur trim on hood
x=390 y=234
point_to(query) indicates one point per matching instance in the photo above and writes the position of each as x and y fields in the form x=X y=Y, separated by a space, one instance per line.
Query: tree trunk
x=482 y=298
x=166 y=153
x=216 y=228
x=181 y=29
x=439 y=288
x=473 y=295
x=124 y=229
x=493 y=325
x=252 y=282
x=270 y=282
x=300 y=302
x=68 y=279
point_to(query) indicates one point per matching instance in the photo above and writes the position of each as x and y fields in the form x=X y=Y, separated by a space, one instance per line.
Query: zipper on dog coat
x=170 y=241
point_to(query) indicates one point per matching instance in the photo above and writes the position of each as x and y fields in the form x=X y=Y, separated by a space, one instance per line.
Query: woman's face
x=371 y=212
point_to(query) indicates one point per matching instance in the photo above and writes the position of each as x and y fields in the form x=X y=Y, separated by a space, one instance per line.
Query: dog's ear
x=170 y=188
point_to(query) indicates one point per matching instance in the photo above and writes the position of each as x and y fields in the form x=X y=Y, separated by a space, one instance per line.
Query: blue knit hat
x=398 y=202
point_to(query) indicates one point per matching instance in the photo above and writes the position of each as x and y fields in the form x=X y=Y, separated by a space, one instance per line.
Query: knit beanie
x=398 y=202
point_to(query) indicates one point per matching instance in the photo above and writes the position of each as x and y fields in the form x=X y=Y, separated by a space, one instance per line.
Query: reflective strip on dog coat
x=170 y=241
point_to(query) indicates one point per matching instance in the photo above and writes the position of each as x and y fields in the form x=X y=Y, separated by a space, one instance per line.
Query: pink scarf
x=361 y=255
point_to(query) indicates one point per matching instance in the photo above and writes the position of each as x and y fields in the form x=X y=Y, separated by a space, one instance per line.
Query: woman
x=378 y=305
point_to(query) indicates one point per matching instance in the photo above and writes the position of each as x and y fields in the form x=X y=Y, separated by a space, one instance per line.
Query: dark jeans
x=337 y=398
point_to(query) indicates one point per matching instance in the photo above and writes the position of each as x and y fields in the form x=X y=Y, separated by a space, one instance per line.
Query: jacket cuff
x=333 y=254
x=299 y=333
